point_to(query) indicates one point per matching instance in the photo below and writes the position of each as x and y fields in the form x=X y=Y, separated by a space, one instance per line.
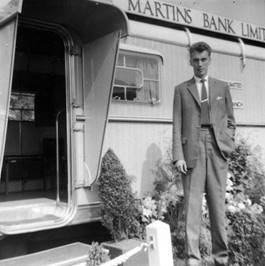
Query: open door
x=99 y=65
x=8 y=28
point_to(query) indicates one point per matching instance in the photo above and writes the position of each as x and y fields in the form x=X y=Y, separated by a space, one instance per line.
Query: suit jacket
x=187 y=116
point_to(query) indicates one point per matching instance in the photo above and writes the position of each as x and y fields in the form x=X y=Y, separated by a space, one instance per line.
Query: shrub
x=97 y=255
x=246 y=238
x=120 y=212
x=247 y=171
x=245 y=204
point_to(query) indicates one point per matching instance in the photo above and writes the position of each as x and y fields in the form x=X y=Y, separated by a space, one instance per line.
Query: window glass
x=132 y=61
x=118 y=93
x=120 y=60
x=137 y=78
x=22 y=107
x=150 y=68
x=129 y=77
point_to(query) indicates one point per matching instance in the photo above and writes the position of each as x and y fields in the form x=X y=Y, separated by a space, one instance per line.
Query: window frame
x=144 y=53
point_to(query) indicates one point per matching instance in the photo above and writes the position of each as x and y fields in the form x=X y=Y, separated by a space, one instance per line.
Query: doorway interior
x=35 y=164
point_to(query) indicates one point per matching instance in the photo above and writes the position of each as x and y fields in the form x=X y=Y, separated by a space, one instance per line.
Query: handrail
x=58 y=156
x=124 y=257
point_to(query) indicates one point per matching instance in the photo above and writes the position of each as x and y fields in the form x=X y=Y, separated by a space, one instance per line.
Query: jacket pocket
x=226 y=143
x=229 y=134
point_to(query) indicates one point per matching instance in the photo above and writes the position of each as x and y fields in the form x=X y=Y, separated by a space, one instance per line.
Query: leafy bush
x=245 y=207
x=120 y=212
x=246 y=238
x=247 y=171
x=97 y=255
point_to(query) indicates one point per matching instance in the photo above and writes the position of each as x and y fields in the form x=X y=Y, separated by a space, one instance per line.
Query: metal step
x=72 y=254
x=31 y=213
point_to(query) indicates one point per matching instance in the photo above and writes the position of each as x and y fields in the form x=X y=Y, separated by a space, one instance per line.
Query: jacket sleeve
x=177 y=124
x=231 y=124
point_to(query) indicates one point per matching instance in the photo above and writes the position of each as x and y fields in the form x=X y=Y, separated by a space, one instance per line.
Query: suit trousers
x=209 y=177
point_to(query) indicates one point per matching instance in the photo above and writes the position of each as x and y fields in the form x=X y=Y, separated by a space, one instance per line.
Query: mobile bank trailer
x=57 y=68
x=56 y=96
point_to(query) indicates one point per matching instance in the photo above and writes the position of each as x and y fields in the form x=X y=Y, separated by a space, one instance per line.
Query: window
x=22 y=107
x=137 y=78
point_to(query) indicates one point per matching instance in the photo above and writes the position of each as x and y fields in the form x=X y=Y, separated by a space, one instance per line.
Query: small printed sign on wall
x=235 y=85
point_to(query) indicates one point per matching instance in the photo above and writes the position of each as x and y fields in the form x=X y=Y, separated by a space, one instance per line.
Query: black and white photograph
x=132 y=132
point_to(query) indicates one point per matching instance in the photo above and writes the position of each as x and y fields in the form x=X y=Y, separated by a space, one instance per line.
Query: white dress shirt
x=199 y=85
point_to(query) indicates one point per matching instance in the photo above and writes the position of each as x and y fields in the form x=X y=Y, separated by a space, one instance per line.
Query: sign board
x=237 y=87
x=176 y=14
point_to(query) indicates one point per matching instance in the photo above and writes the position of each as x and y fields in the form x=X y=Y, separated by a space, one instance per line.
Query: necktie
x=205 y=117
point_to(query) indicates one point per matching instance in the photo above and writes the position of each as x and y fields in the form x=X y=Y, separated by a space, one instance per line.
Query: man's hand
x=181 y=166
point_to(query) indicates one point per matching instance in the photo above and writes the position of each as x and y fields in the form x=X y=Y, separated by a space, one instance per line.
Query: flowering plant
x=149 y=210
x=167 y=192
x=97 y=254
x=163 y=204
x=239 y=201
x=155 y=207
x=245 y=207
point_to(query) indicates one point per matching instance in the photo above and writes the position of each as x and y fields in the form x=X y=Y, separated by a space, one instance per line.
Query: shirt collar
x=198 y=80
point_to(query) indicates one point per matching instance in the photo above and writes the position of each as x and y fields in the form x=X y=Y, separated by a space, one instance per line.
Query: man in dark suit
x=203 y=137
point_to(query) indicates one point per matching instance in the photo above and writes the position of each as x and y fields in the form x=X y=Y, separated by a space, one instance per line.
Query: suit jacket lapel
x=213 y=91
x=194 y=91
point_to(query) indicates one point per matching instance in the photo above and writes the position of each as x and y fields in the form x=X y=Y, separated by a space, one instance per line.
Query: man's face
x=200 y=63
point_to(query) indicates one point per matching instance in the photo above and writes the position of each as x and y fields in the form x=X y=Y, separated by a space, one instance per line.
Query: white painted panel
x=254 y=83
x=139 y=147
x=252 y=77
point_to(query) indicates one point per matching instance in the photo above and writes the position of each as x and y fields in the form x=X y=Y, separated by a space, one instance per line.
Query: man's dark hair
x=200 y=47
